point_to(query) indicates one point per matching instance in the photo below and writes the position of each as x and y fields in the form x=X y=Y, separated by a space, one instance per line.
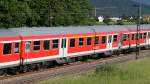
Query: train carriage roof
x=37 y=31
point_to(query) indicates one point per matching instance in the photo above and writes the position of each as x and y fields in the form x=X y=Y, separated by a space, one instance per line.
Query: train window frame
x=55 y=45
x=72 y=45
x=7 y=53
x=104 y=39
x=38 y=46
x=81 y=41
x=115 y=39
x=89 y=41
x=16 y=47
x=96 y=40
x=46 y=46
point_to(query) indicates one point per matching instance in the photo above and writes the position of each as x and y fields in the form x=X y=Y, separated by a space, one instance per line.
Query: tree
x=17 y=13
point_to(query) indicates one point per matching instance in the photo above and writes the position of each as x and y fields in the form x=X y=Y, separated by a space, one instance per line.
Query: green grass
x=135 y=72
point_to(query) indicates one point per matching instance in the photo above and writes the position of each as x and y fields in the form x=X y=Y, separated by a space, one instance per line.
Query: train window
x=125 y=37
x=16 y=48
x=46 y=45
x=7 y=47
x=36 y=45
x=109 y=38
x=96 y=40
x=72 y=42
x=141 y=35
x=81 y=41
x=89 y=41
x=55 y=43
x=103 y=39
x=63 y=44
x=115 y=38
x=133 y=36
x=137 y=36
x=27 y=45
x=148 y=34
x=145 y=34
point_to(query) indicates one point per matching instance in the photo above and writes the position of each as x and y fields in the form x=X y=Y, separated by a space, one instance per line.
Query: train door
x=148 y=39
x=109 y=43
x=63 y=47
x=120 y=40
x=27 y=50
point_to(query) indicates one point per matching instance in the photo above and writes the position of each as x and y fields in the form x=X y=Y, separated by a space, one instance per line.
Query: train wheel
x=2 y=72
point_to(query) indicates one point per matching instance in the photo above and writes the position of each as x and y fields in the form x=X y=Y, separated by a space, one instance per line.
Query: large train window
x=55 y=43
x=72 y=42
x=16 y=48
x=89 y=41
x=115 y=38
x=103 y=39
x=7 y=47
x=46 y=45
x=36 y=45
x=96 y=41
x=81 y=41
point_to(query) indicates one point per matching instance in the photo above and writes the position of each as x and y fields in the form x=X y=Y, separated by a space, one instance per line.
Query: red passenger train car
x=25 y=48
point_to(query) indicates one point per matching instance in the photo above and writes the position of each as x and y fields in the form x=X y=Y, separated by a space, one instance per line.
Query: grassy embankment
x=135 y=72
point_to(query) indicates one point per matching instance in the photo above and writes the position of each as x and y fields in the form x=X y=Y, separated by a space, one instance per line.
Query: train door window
x=46 y=45
x=115 y=38
x=27 y=45
x=89 y=41
x=36 y=45
x=125 y=37
x=55 y=43
x=72 y=42
x=16 y=48
x=96 y=40
x=141 y=35
x=137 y=36
x=128 y=36
x=7 y=47
x=133 y=36
x=145 y=34
x=109 y=38
x=103 y=39
x=148 y=34
x=63 y=44
x=81 y=41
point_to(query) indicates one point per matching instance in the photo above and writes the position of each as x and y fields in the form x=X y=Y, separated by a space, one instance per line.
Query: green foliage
x=135 y=72
x=16 y=13
x=107 y=21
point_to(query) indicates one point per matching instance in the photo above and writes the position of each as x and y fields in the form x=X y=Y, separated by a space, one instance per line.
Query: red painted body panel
x=9 y=57
x=55 y=52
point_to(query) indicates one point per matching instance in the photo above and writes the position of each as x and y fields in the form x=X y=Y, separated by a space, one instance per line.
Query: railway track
x=72 y=69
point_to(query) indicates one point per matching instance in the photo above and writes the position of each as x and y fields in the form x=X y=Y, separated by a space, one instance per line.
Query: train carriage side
x=10 y=49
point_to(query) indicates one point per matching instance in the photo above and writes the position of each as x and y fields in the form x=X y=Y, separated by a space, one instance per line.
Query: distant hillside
x=118 y=7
